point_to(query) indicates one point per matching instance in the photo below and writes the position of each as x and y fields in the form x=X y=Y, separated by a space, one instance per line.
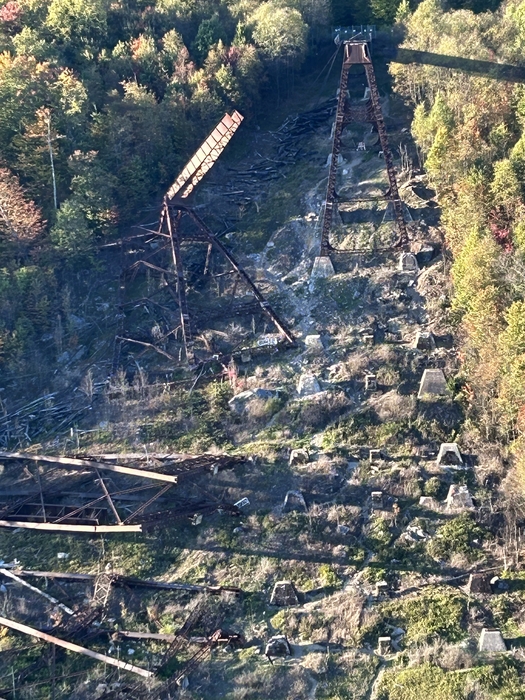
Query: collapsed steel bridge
x=183 y=257
x=97 y=496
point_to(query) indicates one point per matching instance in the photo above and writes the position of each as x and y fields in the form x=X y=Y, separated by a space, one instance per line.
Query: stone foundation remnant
x=384 y=645
x=479 y=583
x=425 y=341
x=375 y=456
x=433 y=384
x=491 y=640
x=459 y=498
x=278 y=646
x=323 y=267
x=294 y=500
x=370 y=382
x=284 y=594
x=408 y=263
x=308 y=385
x=449 y=455
x=377 y=499
x=299 y=456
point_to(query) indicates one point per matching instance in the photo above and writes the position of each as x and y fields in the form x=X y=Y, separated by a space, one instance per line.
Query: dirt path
x=377 y=681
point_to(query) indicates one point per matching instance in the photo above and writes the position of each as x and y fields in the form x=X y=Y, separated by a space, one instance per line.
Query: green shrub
x=379 y=537
x=432 y=487
x=328 y=576
x=458 y=536
x=423 y=681
x=435 y=613
x=373 y=575
x=502 y=680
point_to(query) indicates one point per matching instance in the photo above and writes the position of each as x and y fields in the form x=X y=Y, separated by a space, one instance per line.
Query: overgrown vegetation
x=101 y=103
x=470 y=132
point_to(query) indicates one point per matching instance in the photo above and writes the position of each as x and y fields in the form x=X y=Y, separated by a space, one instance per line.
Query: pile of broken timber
x=31 y=508
x=44 y=415
x=244 y=185
x=304 y=124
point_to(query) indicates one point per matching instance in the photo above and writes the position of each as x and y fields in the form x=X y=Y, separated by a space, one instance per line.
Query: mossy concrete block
x=433 y=384
x=491 y=640
x=449 y=455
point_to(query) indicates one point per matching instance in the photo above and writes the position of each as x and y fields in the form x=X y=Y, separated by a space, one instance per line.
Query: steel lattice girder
x=64 y=513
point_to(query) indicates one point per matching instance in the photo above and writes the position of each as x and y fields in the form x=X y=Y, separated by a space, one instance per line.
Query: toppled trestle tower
x=192 y=280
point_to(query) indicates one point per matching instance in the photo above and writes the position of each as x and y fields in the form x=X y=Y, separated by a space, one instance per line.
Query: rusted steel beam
x=182 y=634
x=25 y=629
x=393 y=192
x=52 y=527
x=21 y=582
x=132 y=582
x=187 y=510
x=185 y=321
x=41 y=494
x=205 y=156
x=264 y=305
x=330 y=200
x=145 y=505
x=72 y=513
x=195 y=659
x=108 y=497
x=356 y=53
x=86 y=463
x=51 y=489
x=13 y=493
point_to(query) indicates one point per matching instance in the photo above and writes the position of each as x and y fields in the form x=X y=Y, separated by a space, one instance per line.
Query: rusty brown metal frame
x=171 y=225
x=87 y=517
x=357 y=53
x=170 y=233
x=206 y=156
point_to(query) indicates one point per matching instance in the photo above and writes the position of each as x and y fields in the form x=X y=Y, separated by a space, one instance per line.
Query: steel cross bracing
x=331 y=196
x=195 y=660
x=102 y=590
x=170 y=237
x=86 y=502
x=387 y=153
x=180 y=226
x=356 y=53
x=182 y=635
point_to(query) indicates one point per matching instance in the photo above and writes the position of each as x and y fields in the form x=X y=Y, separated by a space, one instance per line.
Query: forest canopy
x=470 y=130
x=100 y=104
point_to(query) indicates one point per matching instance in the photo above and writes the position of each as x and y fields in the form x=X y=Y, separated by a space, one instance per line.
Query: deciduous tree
x=20 y=218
